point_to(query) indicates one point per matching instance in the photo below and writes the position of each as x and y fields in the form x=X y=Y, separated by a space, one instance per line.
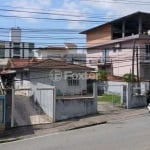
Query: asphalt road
x=132 y=134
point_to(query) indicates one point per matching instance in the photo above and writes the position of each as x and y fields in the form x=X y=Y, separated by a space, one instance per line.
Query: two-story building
x=68 y=52
x=118 y=45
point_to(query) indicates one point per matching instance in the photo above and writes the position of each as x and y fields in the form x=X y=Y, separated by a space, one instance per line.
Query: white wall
x=61 y=85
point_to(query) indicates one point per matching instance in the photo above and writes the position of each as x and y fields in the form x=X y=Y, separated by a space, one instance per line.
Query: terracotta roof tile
x=57 y=64
x=43 y=64
x=20 y=62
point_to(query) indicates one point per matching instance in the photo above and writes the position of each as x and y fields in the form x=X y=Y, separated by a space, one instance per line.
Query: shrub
x=128 y=77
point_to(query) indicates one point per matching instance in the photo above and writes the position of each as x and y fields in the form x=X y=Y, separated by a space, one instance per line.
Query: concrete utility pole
x=132 y=73
x=137 y=69
x=137 y=63
x=133 y=58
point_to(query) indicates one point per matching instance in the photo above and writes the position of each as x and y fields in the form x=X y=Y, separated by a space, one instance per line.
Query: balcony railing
x=107 y=60
x=101 y=61
x=145 y=58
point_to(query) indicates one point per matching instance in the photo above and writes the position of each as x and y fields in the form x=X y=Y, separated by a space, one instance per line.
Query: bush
x=128 y=77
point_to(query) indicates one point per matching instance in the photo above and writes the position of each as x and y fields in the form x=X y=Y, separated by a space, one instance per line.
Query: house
x=59 y=88
x=15 y=48
x=68 y=52
x=72 y=77
x=118 y=45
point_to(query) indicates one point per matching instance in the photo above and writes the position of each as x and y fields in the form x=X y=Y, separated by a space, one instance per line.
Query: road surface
x=132 y=134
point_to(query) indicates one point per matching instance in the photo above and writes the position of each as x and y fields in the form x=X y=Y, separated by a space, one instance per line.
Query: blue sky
x=62 y=20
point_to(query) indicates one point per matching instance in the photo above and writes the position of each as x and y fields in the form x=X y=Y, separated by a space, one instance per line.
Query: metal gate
x=111 y=97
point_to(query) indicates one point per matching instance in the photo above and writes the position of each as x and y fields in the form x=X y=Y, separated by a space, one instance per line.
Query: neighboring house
x=15 y=48
x=110 y=45
x=68 y=52
x=22 y=79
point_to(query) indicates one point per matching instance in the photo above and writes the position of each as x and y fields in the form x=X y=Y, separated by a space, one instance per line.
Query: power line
x=119 y=1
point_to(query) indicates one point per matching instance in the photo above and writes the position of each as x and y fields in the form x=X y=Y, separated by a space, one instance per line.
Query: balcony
x=103 y=61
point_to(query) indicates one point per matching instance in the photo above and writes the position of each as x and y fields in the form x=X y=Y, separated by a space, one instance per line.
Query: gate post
x=54 y=104
x=12 y=107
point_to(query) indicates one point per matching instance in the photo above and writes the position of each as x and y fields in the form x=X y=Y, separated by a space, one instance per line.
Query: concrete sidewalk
x=100 y=118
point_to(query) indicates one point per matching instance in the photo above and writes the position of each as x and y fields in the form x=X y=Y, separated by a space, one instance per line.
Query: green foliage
x=102 y=75
x=128 y=77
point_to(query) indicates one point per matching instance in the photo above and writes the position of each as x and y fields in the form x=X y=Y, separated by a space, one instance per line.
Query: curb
x=10 y=140
x=86 y=125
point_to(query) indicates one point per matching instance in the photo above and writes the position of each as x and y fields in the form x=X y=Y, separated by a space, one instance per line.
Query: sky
x=55 y=22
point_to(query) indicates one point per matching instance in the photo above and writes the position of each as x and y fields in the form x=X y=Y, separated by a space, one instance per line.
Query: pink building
x=111 y=45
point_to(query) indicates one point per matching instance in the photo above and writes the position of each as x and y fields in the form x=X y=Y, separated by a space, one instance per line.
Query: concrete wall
x=72 y=108
x=133 y=100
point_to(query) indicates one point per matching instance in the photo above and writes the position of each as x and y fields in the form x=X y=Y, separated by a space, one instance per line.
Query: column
x=123 y=29
x=140 y=25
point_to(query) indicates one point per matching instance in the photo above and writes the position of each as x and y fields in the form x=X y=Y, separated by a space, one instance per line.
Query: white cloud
x=119 y=8
x=28 y=5
x=71 y=10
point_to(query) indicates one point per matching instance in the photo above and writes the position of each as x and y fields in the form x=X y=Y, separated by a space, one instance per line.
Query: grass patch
x=110 y=98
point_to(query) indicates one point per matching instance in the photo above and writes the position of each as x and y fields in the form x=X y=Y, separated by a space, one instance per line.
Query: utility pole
x=132 y=73
x=137 y=64
x=133 y=57
x=137 y=69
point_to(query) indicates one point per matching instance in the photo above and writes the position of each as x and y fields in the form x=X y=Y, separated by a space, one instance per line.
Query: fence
x=75 y=91
x=114 y=92
x=131 y=94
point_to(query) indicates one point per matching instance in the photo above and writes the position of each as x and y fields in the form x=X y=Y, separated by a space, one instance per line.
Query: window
x=73 y=81
x=105 y=55
x=90 y=61
x=31 y=47
x=16 y=50
x=147 y=51
x=114 y=49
